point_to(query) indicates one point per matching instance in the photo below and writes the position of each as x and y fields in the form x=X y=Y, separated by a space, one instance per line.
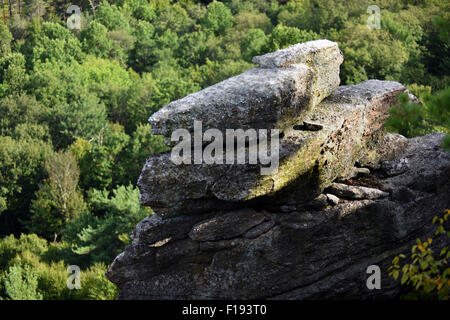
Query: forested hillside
x=74 y=106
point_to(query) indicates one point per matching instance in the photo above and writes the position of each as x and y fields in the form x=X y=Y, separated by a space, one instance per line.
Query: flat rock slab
x=265 y=97
x=356 y=192
x=226 y=226
x=351 y=119
x=318 y=203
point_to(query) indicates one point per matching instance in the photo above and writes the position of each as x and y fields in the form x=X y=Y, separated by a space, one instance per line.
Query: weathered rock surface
x=356 y=192
x=303 y=254
x=332 y=199
x=351 y=119
x=226 y=226
x=318 y=203
x=274 y=95
x=236 y=231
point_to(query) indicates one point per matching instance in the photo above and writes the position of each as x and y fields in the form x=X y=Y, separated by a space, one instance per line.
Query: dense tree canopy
x=74 y=106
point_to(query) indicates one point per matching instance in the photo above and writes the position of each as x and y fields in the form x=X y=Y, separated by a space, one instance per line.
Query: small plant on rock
x=428 y=271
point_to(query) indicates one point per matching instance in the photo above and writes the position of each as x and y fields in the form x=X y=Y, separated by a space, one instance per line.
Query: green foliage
x=438 y=108
x=80 y=119
x=245 y=21
x=193 y=48
x=10 y=247
x=18 y=109
x=254 y=44
x=407 y=118
x=428 y=270
x=213 y=71
x=95 y=286
x=436 y=40
x=316 y=15
x=51 y=42
x=174 y=18
x=141 y=145
x=283 y=36
x=102 y=234
x=370 y=54
x=143 y=47
x=97 y=164
x=96 y=41
x=141 y=10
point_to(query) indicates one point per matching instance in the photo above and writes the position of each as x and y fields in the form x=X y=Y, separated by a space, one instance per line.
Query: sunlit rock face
x=294 y=251
x=345 y=194
x=274 y=95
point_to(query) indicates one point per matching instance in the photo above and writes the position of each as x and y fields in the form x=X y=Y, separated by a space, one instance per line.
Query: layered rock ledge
x=312 y=153
x=294 y=252
x=273 y=95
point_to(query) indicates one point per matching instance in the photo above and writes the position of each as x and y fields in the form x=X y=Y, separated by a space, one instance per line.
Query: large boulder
x=298 y=253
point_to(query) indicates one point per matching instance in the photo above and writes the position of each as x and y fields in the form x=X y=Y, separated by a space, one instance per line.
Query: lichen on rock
x=346 y=194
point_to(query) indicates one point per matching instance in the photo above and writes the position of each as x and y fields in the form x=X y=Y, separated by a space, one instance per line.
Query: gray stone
x=318 y=51
x=318 y=203
x=413 y=169
x=356 y=192
x=218 y=232
x=382 y=148
x=354 y=173
x=332 y=199
x=226 y=226
x=260 y=98
x=323 y=56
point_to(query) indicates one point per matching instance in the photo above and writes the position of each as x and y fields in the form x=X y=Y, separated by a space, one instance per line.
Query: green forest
x=74 y=105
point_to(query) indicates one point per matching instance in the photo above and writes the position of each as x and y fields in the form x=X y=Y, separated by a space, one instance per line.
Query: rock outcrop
x=347 y=125
x=346 y=195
